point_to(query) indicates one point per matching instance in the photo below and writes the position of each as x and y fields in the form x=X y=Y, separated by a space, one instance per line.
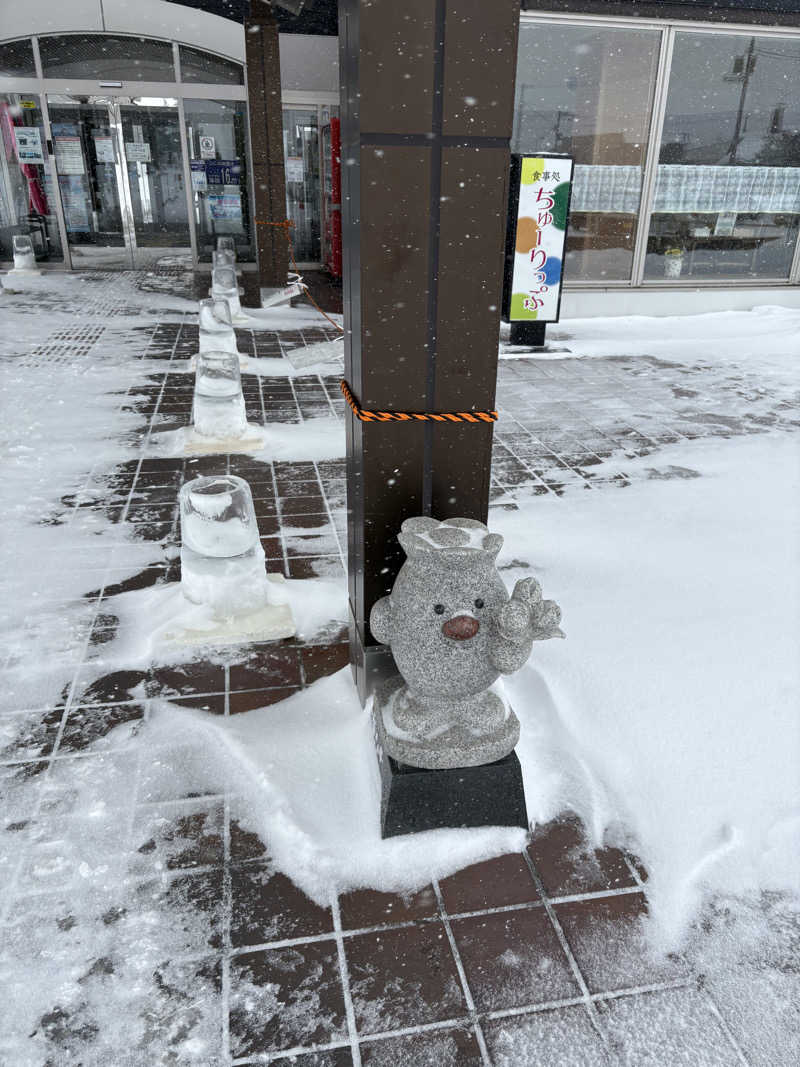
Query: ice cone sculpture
x=223 y=258
x=24 y=256
x=225 y=287
x=24 y=274
x=223 y=563
x=216 y=328
x=219 y=410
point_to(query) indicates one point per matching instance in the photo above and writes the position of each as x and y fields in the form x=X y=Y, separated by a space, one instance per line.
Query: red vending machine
x=332 y=197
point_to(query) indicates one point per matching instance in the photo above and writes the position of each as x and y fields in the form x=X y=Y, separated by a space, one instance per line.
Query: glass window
x=587 y=92
x=106 y=58
x=27 y=196
x=16 y=59
x=303 y=184
x=727 y=196
x=199 y=66
x=216 y=133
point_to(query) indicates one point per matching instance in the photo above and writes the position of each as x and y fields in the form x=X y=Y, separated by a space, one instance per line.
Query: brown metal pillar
x=427 y=106
x=266 y=141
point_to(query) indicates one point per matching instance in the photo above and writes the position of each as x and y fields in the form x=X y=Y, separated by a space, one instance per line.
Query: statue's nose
x=461 y=628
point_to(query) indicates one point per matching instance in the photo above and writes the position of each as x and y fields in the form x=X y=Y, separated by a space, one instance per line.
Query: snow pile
x=314 y=439
x=321 y=352
x=754 y=337
x=147 y=618
x=671 y=708
x=307 y=783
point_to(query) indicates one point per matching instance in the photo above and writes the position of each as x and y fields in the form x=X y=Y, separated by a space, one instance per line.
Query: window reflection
x=301 y=158
x=216 y=133
x=16 y=59
x=587 y=92
x=727 y=195
x=88 y=55
x=27 y=199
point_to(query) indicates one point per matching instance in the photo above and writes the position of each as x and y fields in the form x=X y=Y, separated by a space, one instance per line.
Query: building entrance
x=121 y=179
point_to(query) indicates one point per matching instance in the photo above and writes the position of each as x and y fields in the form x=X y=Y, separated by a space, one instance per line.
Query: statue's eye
x=439 y=609
x=479 y=602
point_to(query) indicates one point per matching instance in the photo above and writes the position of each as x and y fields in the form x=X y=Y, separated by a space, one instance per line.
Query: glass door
x=120 y=177
x=89 y=181
x=303 y=187
x=150 y=136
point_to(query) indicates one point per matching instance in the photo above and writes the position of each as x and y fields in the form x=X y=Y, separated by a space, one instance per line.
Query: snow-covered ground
x=668 y=719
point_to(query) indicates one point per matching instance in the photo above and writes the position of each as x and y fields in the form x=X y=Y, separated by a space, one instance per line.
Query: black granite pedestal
x=414 y=799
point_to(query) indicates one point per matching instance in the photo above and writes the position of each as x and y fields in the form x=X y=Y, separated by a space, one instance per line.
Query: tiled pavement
x=534 y=958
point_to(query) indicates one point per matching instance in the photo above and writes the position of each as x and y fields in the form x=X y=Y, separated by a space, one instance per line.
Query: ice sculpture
x=216 y=328
x=224 y=286
x=223 y=258
x=219 y=410
x=226 y=243
x=24 y=270
x=223 y=565
x=24 y=256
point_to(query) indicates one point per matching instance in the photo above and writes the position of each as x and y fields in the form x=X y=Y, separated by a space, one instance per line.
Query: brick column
x=266 y=141
x=427 y=91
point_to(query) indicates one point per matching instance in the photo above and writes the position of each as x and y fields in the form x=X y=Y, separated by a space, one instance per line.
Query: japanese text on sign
x=538 y=253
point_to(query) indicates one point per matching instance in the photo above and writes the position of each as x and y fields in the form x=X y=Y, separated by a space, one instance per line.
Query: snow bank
x=671 y=708
x=751 y=336
x=307 y=783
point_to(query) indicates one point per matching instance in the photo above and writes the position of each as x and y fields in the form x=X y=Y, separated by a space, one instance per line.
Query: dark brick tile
x=512 y=959
x=403 y=977
x=267 y=666
x=339 y=1057
x=267 y=906
x=250 y=699
x=213 y=703
x=285 y=998
x=444 y=1048
x=310 y=521
x=89 y=725
x=177 y=839
x=367 y=907
x=273 y=550
x=29 y=735
x=195 y=900
x=321 y=660
x=301 y=505
x=566 y=863
x=244 y=844
x=315 y=567
x=492 y=884
x=608 y=941
x=145 y=579
x=199 y=676
x=673 y=1026
x=563 y=1037
x=113 y=688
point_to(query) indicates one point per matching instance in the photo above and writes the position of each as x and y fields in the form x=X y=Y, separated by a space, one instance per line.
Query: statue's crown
x=424 y=534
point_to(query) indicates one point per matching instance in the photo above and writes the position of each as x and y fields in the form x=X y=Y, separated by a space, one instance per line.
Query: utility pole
x=748 y=67
x=427 y=98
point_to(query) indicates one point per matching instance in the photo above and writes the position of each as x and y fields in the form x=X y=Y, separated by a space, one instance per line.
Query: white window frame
x=668 y=29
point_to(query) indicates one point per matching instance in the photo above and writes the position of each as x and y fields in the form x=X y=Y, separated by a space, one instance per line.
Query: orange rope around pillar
x=413 y=416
